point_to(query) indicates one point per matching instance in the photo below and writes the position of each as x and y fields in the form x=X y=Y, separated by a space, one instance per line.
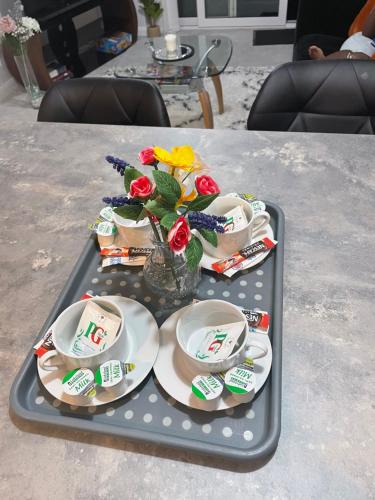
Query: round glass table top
x=197 y=56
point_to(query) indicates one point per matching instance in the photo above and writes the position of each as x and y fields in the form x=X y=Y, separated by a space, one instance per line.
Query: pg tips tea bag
x=97 y=329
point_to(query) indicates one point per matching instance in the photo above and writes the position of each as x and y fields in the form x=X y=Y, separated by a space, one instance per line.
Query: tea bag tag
x=236 y=219
x=219 y=341
x=97 y=329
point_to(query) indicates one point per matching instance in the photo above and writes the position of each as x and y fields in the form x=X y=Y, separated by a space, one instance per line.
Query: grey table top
x=52 y=179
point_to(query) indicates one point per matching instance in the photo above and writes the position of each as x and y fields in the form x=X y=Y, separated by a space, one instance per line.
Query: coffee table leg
x=219 y=92
x=205 y=101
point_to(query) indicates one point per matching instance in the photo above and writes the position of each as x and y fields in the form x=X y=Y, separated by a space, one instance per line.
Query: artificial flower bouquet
x=173 y=200
x=16 y=29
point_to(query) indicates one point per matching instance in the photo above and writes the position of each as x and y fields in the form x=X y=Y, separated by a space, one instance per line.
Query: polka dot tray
x=247 y=432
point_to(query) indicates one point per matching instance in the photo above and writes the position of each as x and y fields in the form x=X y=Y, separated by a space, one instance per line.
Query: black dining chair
x=108 y=101
x=323 y=23
x=317 y=96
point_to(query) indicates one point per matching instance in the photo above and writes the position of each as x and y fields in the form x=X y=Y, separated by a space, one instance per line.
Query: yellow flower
x=182 y=157
x=186 y=197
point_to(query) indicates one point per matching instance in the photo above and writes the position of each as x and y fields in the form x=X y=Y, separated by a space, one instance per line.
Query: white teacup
x=132 y=233
x=63 y=332
x=213 y=313
x=233 y=241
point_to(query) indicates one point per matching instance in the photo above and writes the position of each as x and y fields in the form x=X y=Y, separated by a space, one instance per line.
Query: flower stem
x=29 y=87
x=164 y=233
x=186 y=211
x=186 y=176
x=155 y=231
x=169 y=257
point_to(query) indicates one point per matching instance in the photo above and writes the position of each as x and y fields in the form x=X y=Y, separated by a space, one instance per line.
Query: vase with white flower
x=15 y=31
x=174 y=212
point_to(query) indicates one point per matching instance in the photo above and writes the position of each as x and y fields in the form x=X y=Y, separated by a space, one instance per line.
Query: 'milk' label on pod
x=208 y=387
x=112 y=373
x=79 y=382
x=241 y=378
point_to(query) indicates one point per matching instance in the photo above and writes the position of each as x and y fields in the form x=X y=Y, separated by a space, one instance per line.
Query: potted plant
x=153 y=11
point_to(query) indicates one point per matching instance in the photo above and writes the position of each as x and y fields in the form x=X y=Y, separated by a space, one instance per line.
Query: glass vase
x=27 y=75
x=166 y=274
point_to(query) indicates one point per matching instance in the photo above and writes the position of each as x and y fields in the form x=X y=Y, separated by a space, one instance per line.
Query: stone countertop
x=52 y=179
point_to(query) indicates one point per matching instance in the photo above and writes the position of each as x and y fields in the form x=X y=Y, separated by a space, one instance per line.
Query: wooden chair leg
x=219 y=92
x=205 y=101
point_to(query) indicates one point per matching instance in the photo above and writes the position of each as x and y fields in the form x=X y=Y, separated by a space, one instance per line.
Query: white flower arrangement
x=27 y=28
x=17 y=29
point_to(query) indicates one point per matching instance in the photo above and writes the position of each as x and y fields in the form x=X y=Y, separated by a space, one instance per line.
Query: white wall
x=170 y=19
x=142 y=23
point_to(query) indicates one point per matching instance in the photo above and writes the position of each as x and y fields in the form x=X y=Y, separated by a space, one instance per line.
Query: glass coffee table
x=199 y=57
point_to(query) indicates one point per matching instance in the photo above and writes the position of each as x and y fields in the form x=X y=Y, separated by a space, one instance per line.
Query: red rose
x=179 y=235
x=146 y=156
x=206 y=185
x=141 y=187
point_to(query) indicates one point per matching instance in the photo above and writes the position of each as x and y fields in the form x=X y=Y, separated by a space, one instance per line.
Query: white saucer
x=207 y=259
x=144 y=344
x=175 y=374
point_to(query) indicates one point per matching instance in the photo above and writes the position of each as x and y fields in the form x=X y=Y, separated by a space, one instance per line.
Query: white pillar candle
x=171 y=43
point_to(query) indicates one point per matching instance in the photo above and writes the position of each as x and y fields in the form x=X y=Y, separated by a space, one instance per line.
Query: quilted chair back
x=107 y=101
x=334 y=96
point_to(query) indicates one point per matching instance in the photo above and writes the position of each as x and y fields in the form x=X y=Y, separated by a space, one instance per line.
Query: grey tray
x=245 y=433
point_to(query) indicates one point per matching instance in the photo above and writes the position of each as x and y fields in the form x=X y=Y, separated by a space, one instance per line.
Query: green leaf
x=193 y=252
x=130 y=175
x=129 y=211
x=168 y=220
x=210 y=236
x=167 y=186
x=202 y=201
x=142 y=215
x=158 y=208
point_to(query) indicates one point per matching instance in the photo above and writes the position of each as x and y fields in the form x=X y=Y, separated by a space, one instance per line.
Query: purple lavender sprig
x=120 y=201
x=199 y=220
x=118 y=164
